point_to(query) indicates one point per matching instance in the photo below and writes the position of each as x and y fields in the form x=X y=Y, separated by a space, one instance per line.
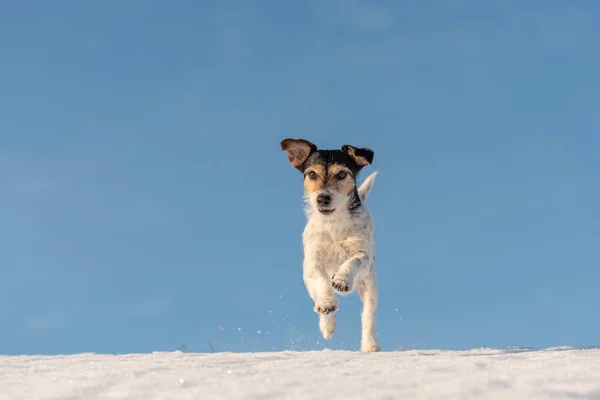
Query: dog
x=339 y=236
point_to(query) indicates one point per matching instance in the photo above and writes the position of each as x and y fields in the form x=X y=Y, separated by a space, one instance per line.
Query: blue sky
x=145 y=201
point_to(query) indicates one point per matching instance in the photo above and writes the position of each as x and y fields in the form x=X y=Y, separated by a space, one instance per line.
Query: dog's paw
x=341 y=284
x=370 y=346
x=326 y=306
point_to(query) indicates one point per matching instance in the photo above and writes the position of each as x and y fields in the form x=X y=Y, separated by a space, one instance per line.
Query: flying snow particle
x=180 y=380
x=259 y=332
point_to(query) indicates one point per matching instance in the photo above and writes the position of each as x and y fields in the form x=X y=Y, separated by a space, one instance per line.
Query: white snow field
x=559 y=373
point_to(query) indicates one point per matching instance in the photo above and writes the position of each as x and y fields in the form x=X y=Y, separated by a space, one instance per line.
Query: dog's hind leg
x=368 y=293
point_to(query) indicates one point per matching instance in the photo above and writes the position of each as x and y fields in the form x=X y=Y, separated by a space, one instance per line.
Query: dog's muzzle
x=323 y=202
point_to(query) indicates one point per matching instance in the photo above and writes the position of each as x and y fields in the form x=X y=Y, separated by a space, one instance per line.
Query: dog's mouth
x=325 y=211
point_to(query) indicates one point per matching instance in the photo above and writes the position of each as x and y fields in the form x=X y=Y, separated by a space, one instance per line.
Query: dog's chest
x=333 y=244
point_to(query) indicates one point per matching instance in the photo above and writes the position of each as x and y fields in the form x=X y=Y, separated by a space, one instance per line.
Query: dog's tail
x=366 y=186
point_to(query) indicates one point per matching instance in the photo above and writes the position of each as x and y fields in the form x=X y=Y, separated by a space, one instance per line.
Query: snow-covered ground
x=559 y=373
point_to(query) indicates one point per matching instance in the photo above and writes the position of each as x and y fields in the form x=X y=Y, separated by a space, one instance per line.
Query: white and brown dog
x=339 y=237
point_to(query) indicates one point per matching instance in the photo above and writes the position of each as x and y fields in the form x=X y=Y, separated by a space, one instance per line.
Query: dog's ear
x=362 y=156
x=298 y=150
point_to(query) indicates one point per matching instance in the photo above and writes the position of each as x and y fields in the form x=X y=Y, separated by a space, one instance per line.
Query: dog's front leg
x=354 y=267
x=319 y=288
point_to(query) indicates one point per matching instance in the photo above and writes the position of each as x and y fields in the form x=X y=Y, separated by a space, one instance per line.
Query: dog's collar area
x=355 y=202
x=355 y=206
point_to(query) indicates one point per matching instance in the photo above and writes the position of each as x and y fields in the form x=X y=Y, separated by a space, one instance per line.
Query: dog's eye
x=341 y=175
x=312 y=175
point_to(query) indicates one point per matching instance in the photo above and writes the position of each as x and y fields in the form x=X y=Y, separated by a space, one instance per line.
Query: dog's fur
x=339 y=237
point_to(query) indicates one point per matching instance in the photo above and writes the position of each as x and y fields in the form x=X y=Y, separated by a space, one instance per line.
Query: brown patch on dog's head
x=297 y=150
x=341 y=180
x=331 y=178
x=314 y=178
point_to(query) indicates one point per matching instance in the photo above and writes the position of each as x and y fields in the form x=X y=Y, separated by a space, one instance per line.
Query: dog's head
x=329 y=175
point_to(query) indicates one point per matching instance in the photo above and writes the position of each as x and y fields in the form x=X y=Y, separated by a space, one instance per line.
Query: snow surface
x=559 y=373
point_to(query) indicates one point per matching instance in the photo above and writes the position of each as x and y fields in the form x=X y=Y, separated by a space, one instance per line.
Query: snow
x=500 y=374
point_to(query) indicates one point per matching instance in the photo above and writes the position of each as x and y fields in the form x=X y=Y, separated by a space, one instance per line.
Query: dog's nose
x=323 y=200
